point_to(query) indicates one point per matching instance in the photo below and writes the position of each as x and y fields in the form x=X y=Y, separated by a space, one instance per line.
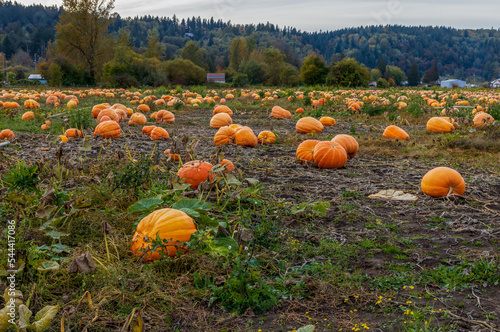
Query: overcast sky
x=315 y=15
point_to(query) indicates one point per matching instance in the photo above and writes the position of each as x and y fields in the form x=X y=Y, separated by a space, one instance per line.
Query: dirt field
x=423 y=265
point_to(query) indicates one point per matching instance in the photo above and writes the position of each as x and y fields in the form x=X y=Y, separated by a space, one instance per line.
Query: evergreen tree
x=431 y=75
x=413 y=75
x=382 y=65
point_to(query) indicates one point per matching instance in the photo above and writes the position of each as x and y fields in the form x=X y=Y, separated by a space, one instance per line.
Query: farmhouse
x=495 y=83
x=216 y=78
x=452 y=83
x=37 y=77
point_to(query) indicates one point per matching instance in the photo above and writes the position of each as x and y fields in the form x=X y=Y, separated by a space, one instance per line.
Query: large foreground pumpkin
x=196 y=172
x=328 y=154
x=167 y=224
x=442 y=182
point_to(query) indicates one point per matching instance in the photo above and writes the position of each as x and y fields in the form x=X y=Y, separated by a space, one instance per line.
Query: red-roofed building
x=216 y=78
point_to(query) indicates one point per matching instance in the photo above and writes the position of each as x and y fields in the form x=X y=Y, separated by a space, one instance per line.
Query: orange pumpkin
x=28 y=116
x=137 y=119
x=196 y=172
x=7 y=134
x=72 y=132
x=224 y=135
x=443 y=182
x=305 y=150
x=327 y=121
x=165 y=116
x=307 y=125
x=483 y=120
x=281 y=113
x=222 y=109
x=220 y=120
x=167 y=224
x=245 y=137
x=172 y=156
x=63 y=138
x=110 y=113
x=108 y=129
x=439 y=125
x=229 y=166
x=349 y=143
x=52 y=100
x=328 y=154
x=31 y=104
x=395 y=132
x=146 y=130
x=266 y=137
x=143 y=108
x=299 y=110
x=159 y=133
x=98 y=108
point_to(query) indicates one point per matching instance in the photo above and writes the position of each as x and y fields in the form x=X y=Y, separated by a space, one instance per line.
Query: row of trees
x=262 y=54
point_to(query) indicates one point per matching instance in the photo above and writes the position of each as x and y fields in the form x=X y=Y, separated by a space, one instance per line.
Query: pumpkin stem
x=450 y=190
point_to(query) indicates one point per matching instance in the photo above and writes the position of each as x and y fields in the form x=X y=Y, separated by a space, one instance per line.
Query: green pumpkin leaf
x=207 y=221
x=224 y=245
x=190 y=212
x=307 y=328
x=145 y=205
x=320 y=208
x=56 y=235
x=191 y=204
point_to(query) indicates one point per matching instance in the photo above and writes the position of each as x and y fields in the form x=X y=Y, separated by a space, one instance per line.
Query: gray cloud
x=323 y=15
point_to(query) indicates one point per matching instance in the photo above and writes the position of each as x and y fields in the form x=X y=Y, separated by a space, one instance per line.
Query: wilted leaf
x=83 y=263
x=45 y=211
x=252 y=181
x=4 y=320
x=44 y=317
x=134 y=325
x=145 y=205
x=231 y=179
x=106 y=228
x=86 y=145
x=44 y=266
x=24 y=317
x=20 y=267
x=394 y=195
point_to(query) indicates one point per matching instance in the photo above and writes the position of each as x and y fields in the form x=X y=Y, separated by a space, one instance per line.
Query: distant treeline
x=27 y=31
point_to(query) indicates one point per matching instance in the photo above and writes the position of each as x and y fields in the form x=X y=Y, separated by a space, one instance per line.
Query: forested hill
x=460 y=53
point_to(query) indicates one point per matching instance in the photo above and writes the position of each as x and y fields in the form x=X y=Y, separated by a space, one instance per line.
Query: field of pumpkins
x=254 y=209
